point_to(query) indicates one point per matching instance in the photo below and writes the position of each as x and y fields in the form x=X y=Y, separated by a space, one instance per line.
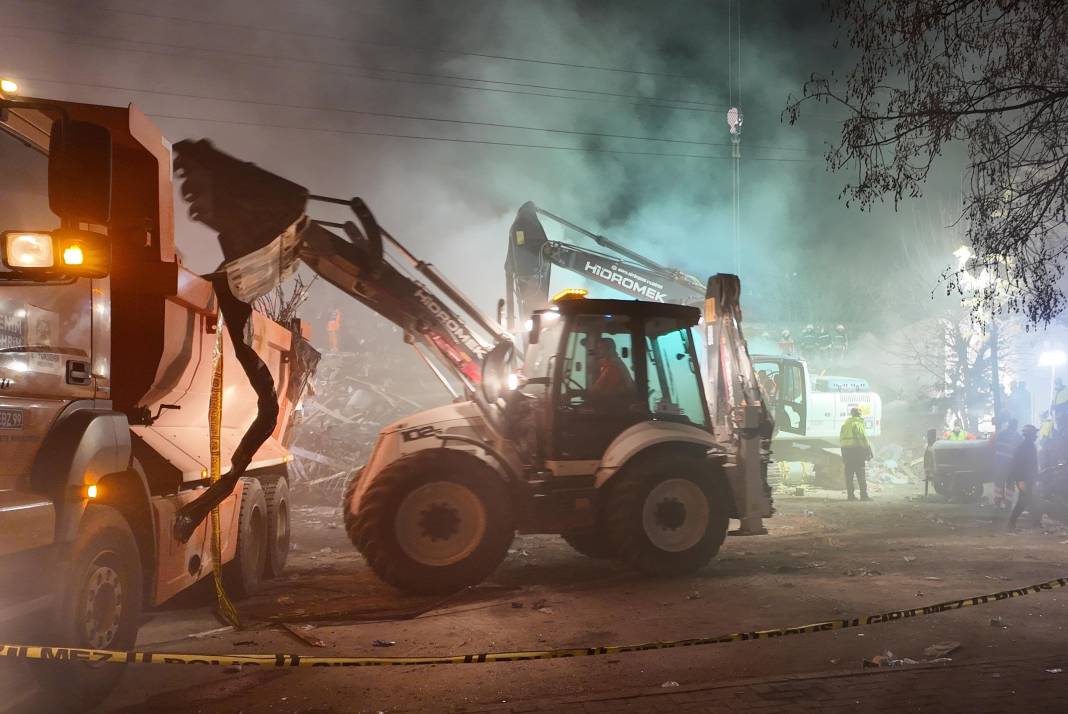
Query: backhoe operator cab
x=602 y=436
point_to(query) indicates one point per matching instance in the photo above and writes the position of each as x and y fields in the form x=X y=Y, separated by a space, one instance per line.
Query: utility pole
x=734 y=121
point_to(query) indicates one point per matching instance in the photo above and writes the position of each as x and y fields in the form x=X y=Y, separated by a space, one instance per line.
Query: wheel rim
x=675 y=515
x=103 y=604
x=440 y=523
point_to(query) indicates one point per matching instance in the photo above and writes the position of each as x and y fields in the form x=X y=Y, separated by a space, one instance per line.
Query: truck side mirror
x=79 y=172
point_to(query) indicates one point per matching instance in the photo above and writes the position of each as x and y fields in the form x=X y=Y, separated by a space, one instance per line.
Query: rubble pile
x=355 y=395
x=896 y=465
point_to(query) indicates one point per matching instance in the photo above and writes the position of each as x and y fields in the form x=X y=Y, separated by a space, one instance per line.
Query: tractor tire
x=591 y=542
x=276 y=495
x=434 y=522
x=99 y=607
x=347 y=513
x=243 y=575
x=667 y=516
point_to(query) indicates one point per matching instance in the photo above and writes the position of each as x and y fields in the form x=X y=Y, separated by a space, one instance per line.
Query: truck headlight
x=61 y=253
x=28 y=250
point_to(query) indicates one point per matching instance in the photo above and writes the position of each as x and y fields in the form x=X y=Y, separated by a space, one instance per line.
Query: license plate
x=11 y=418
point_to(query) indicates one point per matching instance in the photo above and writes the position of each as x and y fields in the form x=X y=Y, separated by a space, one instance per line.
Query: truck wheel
x=667 y=516
x=276 y=496
x=434 y=521
x=99 y=608
x=591 y=542
x=242 y=575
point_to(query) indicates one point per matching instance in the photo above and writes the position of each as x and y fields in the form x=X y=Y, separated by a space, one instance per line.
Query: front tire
x=99 y=608
x=243 y=575
x=276 y=497
x=667 y=516
x=434 y=521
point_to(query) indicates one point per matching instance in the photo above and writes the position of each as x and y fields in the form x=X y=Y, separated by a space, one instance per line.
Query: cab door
x=782 y=380
x=596 y=388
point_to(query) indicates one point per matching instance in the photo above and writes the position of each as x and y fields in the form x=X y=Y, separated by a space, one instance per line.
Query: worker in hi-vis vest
x=855 y=451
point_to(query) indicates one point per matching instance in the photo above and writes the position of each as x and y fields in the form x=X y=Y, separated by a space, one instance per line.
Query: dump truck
x=106 y=354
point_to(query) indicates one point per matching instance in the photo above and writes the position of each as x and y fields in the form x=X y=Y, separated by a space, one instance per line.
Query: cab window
x=673 y=372
x=598 y=364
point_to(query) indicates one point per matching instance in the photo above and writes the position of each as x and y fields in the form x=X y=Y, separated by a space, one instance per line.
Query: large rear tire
x=99 y=608
x=434 y=522
x=276 y=496
x=243 y=575
x=592 y=542
x=667 y=515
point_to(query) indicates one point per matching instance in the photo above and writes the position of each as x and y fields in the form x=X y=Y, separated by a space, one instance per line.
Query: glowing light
x=513 y=381
x=73 y=255
x=90 y=491
x=203 y=473
x=9 y=86
x=570 y=294
x=28 y=250
x=528 y=325
x=1052 y=358
x=963 y=255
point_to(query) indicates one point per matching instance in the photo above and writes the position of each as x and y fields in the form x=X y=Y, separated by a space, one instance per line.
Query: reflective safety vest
x=1045 y=431
x=961 y=435
x=852 y=433
x=1061 y=397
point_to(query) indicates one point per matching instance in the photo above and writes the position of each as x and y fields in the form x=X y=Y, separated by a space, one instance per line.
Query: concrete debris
x=941 y=649
x=693 y=596
x=1055 y=670
x=670 y=685
x=383 y=643
x=356 y=394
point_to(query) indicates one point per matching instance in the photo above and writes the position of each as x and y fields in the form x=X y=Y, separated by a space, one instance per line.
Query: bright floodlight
x=734 y=119
x=963 y=255
x=1052 y=358
x=8 y=86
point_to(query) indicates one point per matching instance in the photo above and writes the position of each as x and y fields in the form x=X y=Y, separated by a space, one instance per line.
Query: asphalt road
x=823 y=558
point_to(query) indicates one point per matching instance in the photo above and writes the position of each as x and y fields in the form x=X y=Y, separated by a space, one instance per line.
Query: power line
x=350 y=40
x=650 y=102
x=388 y=115
x=581 y=149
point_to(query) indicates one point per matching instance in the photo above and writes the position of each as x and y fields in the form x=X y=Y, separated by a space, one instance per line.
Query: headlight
x=28 y=250
x=63 y=253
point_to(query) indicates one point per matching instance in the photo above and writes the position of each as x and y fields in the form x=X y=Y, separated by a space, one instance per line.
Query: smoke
x=451 y=200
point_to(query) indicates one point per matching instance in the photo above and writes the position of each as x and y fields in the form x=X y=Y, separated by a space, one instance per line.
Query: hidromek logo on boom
x=457 y=330
x=636 y=285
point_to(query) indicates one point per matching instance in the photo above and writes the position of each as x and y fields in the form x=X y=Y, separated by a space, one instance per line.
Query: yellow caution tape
x=293 y=660
x=215 y=408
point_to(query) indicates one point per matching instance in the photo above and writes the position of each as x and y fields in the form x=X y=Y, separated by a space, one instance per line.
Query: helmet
x=855 y=411
x=840 y=328
x=786 y=334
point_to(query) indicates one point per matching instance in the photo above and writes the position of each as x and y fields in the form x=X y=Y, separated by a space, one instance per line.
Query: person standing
x=1006 y=439
x=855 y=451
x=1023 y=470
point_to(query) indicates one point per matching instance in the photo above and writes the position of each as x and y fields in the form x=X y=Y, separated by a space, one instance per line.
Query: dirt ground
x=823 y=558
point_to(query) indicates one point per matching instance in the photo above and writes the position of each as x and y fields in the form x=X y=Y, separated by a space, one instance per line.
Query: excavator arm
x=264 y=228
x=531 y=257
